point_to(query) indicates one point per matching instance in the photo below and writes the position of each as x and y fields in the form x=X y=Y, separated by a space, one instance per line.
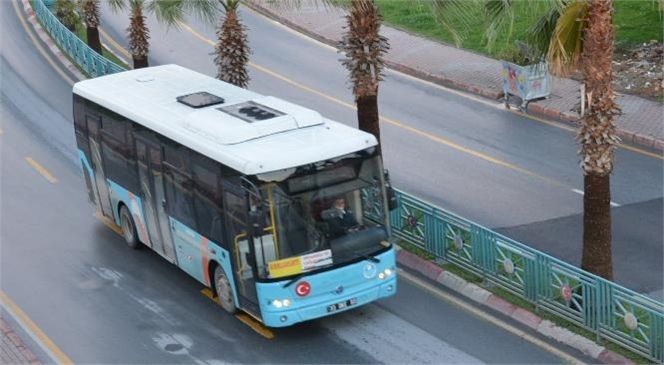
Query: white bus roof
x=248 y=132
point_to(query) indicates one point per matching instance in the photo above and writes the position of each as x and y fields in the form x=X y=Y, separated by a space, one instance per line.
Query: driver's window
x=236 y=214
x=355 y=204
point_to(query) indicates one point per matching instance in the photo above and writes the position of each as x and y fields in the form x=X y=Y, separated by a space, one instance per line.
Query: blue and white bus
x=237 y=190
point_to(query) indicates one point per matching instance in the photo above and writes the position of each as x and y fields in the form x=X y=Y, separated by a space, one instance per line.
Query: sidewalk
x=12 y=348
x=641 y=122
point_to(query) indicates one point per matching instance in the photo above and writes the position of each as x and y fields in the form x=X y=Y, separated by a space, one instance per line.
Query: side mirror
x=329 y=214
x=256 y=222
x=392 y=203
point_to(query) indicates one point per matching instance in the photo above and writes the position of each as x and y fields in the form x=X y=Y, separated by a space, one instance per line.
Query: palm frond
x=116 y=5
x=566 y=45
x=498 y=14
x=450 y=12
x=297 y=4
x=540 y=33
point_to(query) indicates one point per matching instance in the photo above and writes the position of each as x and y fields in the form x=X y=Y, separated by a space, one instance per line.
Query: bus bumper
x=285 y=318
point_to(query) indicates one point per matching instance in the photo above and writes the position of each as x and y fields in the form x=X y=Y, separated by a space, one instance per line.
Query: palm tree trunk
x=139 y=34
x=91 y=16
x=93 y=39
x=598 y=139
x=140 y=62
x=596 y=257
x=367 y=115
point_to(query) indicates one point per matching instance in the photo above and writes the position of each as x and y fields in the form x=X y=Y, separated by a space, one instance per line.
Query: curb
x=533 y=108
x=425 y=267
x=487 y=299
x=15 y=342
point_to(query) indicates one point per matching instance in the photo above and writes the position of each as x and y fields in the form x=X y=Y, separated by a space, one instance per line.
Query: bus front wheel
x=128 y=228
x=224 y=291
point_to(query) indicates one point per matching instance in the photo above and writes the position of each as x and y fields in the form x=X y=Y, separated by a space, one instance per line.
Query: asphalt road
x=103 y=303
x=499 y=169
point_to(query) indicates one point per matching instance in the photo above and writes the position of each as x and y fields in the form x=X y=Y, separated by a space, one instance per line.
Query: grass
x=636 y=21
x=523 y=303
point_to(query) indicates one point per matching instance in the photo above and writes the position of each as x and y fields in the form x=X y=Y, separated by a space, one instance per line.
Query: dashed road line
x=43 y=171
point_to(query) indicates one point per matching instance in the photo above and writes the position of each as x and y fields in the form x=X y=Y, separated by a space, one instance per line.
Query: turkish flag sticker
x=302 y=289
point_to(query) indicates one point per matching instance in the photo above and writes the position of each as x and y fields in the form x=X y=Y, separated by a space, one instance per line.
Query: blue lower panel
x=327 y=293
x=285 y=318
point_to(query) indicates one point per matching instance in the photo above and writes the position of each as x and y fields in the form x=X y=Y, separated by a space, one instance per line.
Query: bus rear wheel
x=224 y=291
x=128 y=228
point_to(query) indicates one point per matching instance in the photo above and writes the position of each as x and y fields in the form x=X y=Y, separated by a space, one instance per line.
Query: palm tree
x=65 y=11
x=232 y=48
x=598 y=139
x=570 y=35
x=90 y=10
x=170 y=12
x=364 y=48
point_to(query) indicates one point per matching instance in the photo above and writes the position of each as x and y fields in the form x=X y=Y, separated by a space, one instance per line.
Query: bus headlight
x=385 y=274
x=281 y=303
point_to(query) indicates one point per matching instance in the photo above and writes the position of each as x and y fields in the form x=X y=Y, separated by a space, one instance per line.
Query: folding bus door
x=102 y=191
x=150 y=173
x=236 y=213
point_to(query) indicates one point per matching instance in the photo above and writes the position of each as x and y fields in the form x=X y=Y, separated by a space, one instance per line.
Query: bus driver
x=344 y=223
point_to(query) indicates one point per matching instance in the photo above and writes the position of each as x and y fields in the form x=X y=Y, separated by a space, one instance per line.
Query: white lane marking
x=569 y=359
x=580 y=192
x=392 y=340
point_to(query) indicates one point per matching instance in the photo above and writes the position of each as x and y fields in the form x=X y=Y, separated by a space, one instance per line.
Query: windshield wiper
x=300 y=276
x=370 y=258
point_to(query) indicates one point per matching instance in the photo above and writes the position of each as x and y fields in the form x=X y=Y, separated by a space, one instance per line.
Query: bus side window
x=207 y=200
x=118 y=150
x=178 y=184
x=179 y=196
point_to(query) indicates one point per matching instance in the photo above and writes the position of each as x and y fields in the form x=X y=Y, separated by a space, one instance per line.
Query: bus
x=238 y=190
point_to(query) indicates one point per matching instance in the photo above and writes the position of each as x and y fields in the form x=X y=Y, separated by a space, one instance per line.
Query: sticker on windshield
x=316 y=259
x=299 y=264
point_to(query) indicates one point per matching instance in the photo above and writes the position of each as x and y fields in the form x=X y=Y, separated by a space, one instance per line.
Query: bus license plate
x=341 y=305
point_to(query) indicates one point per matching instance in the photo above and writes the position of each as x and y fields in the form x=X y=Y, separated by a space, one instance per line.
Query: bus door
x=150 y=174
x=242 y=248
x=103 y=196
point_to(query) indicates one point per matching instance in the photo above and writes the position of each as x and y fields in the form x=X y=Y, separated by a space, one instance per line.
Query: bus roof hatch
x=249 y=120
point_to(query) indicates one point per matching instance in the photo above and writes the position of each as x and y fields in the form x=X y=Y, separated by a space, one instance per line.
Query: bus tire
x=224 y=291
x=128 y=228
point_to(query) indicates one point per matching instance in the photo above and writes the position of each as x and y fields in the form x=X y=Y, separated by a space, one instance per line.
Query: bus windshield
x=327 y=216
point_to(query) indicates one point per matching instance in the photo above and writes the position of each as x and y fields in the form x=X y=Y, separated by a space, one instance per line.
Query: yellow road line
x=34 y=329
x=389 y=120
x=39 y=47
x=573 y=129
x=412 y=129
x=489 y=318
x=208 y=293
x=416 y=131
x=254 y=324
x=47 y=175
x=250 y=321
x=109 y=223
x=195 y=33
x=113 y=43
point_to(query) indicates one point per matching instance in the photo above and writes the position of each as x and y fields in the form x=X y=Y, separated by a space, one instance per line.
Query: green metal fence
x=90 y=61
x=612 y=312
